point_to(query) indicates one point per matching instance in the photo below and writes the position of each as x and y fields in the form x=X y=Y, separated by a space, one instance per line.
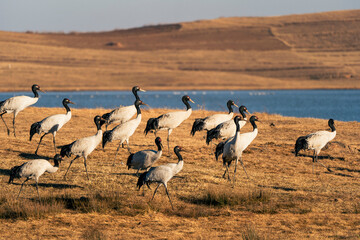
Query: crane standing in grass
x=162 y=174
x=316 y=141
x=234 y=147
x=146 y=158
x=17 y=104
x=123 y=131
x=227 y=129
x=33 y=170
x=83 y=146
x=122 y=114
x=212 y=121
x=51 y=124
x=170 y=120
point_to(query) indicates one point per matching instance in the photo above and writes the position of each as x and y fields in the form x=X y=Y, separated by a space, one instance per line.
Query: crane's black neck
x=332 y=126
x=35 y=91
x=66 y=107
x=241 y=110
x=229 y=105
x=135 y=92
x=252 y=121
x=177 y=152
x=137 y=106
x=187 y=104
x=237 y=126
x=99 y=123
x=159 y=145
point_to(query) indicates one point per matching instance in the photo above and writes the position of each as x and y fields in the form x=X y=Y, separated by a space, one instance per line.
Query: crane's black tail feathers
x=197 y=126
x=14 y=173
x=211 y=134
x=301 y=144
x=66 y=150
x=141 y=180
x=106 y=138
x=2 y=103
x=152 y=124
x=128 y=163
x=35 y=128
x=219 y=150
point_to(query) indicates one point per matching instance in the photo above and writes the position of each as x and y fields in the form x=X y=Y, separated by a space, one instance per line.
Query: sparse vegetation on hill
x=297 y=51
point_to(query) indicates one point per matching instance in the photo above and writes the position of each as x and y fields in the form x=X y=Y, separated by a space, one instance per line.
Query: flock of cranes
x=218 y=126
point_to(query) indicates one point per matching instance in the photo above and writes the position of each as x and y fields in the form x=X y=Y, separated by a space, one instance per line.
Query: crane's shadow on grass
x=52 y=185
x=322 y=157
x=33 y=156
x=5 y=172
x=287 y=189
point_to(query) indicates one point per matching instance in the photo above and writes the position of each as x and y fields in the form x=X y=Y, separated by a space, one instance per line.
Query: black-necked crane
x=316 y=141
x=17 y=104
x=162 y=174
x=143 y=160
x=123 y=131
x=170 y=120
x=122 y=114
x=83 y=146
x=51 y=124
x=33 y=170
x=227 y=129
x=234 y=147
x=212 y=121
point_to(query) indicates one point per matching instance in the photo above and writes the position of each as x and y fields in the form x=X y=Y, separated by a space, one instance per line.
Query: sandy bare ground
x=284 y=201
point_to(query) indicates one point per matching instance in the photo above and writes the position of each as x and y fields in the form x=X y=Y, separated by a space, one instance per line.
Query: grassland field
x=283 y=200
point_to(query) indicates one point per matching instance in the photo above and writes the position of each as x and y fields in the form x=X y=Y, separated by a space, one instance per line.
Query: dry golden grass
x=290 y=52
x=287 y=201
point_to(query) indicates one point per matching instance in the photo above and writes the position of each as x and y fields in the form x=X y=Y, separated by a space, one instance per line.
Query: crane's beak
x=41 y=90
x=236 y=105
x=72 y=102
x=248 y=112
x=191 y=100
x=142 y=90
x=142 y=103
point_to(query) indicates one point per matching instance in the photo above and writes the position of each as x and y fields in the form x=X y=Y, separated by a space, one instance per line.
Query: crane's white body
x=17 y=104
x=122 y=114
x=172 y=120
x=144 y=159
x=227 y=129
x=243 y=141
x=35 y=168
x=125 y=130
x=316 y=141
x=84 y=146
x=54 y=123
x=163 y=173
x=212 y=121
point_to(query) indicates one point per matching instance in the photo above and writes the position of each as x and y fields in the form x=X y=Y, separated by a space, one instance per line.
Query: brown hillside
x=297 y=51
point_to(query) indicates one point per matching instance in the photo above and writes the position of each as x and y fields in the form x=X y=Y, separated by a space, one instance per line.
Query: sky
x=105 y=15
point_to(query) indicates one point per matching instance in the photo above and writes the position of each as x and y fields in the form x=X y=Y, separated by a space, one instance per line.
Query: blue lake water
x=341 y=105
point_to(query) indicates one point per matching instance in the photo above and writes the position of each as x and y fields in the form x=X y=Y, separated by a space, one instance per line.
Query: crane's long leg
x=117 y=150
x=226 y=170
x=155 y=191
x=168 y=140
x=54 y=143
x=323 y=164
x=128 y=146
x=8 y=130
x=86 y=168
x=40 y=143
x=313 y=162
x=14 y=125
x=70 y=166
x=236 y=162
x=167 y=192
x=37 y=188
x=22 y=186
x=242 y=164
